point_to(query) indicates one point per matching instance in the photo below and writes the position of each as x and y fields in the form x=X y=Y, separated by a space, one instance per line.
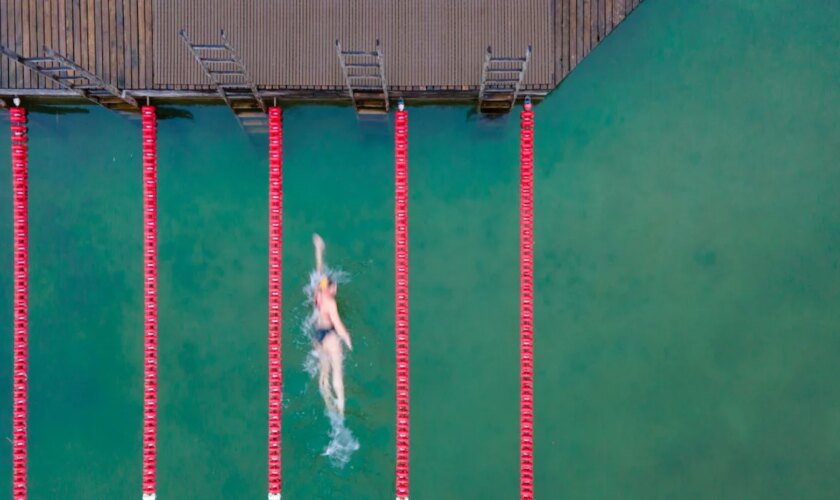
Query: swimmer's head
x=327 y=285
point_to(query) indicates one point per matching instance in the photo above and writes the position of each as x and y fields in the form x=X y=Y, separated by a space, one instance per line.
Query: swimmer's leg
x=336 y=358
x=324 y=379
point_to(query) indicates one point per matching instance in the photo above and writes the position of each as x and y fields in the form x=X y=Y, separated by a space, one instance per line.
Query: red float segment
x=526 y=305
x=150 y=301
x=20 y=202
x=401 y=299
x=275 y=274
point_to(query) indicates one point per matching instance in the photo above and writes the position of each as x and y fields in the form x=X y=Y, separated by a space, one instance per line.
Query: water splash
x=342 y=444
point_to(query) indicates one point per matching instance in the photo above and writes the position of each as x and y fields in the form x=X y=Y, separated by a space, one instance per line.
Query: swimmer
x=329 y=334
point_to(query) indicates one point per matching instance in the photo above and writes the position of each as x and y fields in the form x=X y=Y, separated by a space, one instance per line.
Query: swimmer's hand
x=349 y=344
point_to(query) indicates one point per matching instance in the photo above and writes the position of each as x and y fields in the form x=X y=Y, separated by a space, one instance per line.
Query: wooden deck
x=429 y=46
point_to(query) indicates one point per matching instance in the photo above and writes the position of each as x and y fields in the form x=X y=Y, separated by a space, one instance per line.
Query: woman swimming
x=329 y=335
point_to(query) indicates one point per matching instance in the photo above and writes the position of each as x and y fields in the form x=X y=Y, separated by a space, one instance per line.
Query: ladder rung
x=54 y=68
x=507 y=59
x=358 y=53
x=501 y=80
x=218 y=59
x=504 y=70
x=208 y=47
x=364 y=77
x=361 y=65
x=225 y=72
x=367 y=87
x=498 y=91
x=71 y=77
x=39 y=59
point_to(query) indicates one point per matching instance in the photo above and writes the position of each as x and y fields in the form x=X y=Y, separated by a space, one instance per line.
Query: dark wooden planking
x=119 y=74
x=83 y=33
x=97 y=47
x=150 y=78
x=76 y=31
x=25 y=45
x=141 y=46
x=68 y=29
x=618 y=12
x=6 y=17
x=19 y=74
x=608 y=20
x=126 y=40
x=134 y=40
x=93 y=60
x=38 y=38
x=112 y=42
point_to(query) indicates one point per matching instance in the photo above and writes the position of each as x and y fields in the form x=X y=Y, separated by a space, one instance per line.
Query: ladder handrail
x=235 y=56
x=70 y=65
x=521 y=75
x=379 y=60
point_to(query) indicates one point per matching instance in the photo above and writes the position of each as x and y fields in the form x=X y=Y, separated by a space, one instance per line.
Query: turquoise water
x=687 y=272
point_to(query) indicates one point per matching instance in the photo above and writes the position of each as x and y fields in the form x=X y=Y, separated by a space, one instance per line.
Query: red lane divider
x=401 y=298
x=150 y=378
x=20 y=202
x=275 y=274
x=526 y=304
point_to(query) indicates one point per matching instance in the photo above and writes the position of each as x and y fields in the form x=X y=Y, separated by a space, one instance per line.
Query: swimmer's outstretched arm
x=339 y=326
x=319 y=252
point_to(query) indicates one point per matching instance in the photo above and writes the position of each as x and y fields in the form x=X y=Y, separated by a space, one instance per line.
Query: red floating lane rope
x=526 y=305
x=21 y=300
x=401 y=299
x=275 y=273
x=150 y=301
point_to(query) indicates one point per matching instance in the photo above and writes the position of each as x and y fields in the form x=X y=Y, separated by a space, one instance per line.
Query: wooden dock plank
x=602 y=14
x=131 y=44
x=93 y=60
x=83 y=34
x=150 y=77
x=120 y=36
x=573 y=55
x=141 y=45
x=76 y=31
x=6 y=17
x=25 y=37
x=97 y=40
x=112 y=42
x=68 y=29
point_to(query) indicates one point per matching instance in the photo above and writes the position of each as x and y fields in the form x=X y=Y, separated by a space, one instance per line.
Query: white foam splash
x=342 y=444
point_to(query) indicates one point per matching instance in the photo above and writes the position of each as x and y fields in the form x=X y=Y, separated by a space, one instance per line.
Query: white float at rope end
x=402 y=498
x=16 y=101
x=148 y=496
x=401 y=105
x=274 y=496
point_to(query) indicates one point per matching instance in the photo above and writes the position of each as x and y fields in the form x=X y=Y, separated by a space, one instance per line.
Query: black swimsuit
x=321 y=334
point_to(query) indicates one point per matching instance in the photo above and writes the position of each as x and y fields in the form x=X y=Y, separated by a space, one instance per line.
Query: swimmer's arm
x=339 y=327
x=319 y=252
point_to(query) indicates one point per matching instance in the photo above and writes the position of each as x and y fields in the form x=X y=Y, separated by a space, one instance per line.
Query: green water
x=687 y=274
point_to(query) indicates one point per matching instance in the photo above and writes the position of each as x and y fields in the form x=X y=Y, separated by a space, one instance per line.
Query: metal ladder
x=364 y=73
x=227 y=73
x=70 y=75
x=501 y=79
